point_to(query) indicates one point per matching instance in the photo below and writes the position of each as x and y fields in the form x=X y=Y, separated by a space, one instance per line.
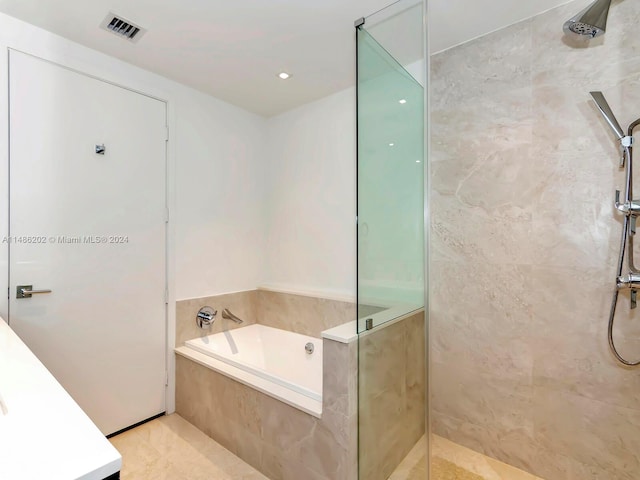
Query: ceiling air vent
x=122 y=27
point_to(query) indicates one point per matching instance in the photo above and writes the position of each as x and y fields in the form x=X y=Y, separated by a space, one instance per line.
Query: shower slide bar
x=631 y=210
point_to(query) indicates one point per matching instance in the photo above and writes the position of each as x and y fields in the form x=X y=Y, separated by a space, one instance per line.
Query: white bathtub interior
x=270 y=353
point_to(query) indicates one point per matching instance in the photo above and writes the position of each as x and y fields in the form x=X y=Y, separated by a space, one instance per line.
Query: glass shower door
x=391 y=282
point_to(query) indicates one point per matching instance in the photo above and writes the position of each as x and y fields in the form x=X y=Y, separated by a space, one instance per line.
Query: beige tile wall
x=281 y=441
x=303 y=314
x=391 y=395
x=296 y=313
x=524 y=245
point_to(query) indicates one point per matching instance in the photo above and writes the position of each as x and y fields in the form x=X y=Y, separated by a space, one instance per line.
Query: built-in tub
x=268 y=359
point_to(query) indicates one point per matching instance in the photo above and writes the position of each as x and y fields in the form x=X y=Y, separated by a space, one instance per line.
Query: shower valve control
x=628 y=208
x=205 y=317
x=630 y=281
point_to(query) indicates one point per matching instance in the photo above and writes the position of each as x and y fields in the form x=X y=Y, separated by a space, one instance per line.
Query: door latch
x=26 y=291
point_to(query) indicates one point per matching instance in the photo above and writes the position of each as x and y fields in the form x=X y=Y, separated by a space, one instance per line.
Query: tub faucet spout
x=230 y=316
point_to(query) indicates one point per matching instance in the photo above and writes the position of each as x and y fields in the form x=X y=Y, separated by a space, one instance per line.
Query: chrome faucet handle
x=205 y=317
x=621 y=207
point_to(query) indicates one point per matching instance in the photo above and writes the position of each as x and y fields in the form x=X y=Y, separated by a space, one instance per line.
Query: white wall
x=253 y=201
x=213 y=145
x=310 y=207
x=220 y=227
x=215 y=233
x=311 y=199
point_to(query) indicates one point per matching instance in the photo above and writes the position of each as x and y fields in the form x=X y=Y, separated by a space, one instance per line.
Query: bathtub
x=268 y=359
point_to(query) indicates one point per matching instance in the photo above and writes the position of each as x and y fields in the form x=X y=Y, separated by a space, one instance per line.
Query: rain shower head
x=590 y=22
x=607 y=113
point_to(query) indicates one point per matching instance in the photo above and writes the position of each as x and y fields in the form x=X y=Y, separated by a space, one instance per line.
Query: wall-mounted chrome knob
x=205 y=317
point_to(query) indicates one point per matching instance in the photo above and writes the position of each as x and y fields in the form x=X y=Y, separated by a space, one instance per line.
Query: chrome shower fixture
x=630 y=280
x=590 y=22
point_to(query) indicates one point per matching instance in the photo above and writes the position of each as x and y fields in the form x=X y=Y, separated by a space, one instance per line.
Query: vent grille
x=122 y=27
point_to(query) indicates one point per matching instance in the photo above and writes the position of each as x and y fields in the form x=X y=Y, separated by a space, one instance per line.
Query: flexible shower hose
x=623 y=245
x=612 y=344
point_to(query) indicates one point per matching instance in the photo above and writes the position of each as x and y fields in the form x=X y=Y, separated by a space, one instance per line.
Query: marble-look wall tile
x=279 y=440
x=569 y=337
x=391 y=395
x=524 y=246
x=589 y=431
x=296 y=313
x=486 y=400
x=302 y=314
x=242 y=304
x=521 y=450
x=488 y=66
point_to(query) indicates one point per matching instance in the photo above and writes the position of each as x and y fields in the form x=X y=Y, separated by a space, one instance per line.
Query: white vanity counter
x=43 y=432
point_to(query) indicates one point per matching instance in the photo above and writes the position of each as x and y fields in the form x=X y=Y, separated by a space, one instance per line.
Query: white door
x=90 y=227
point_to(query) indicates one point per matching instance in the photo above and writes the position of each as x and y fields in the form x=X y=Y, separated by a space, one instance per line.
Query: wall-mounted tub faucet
x=230 y=316
x=631 y=210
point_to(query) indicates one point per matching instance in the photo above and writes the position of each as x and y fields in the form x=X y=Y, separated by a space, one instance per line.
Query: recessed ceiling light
x=391 y=144
x=403 y=101
x=417 y=161
x=284 y=75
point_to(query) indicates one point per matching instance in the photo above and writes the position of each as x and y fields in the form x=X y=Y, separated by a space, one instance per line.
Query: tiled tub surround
x=281 y=441
x=303 y=314
x=524 y=173
x=391 y=394
x=291 y=442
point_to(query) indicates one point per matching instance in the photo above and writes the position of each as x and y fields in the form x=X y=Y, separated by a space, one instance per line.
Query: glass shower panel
x=392 y=349
x=390 y=186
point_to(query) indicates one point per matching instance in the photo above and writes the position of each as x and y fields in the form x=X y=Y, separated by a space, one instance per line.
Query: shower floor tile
x=170 y=448
x=451 y=461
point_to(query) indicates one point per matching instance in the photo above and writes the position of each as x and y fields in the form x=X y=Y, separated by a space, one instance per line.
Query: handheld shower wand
x=631 y=209
x=607 y=113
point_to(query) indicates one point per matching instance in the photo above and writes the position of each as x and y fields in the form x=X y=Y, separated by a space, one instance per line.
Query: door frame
x=127 y=77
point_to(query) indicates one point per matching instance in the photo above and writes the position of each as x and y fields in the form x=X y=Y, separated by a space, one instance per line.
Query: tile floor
x=448 y=453
x=170 y=448
x=451 y=461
